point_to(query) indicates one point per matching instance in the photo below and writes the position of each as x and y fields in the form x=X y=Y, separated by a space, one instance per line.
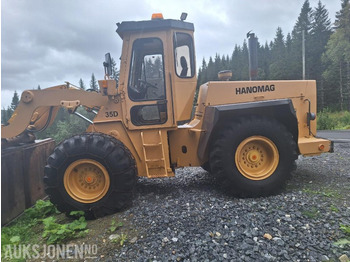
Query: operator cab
x=157 y=71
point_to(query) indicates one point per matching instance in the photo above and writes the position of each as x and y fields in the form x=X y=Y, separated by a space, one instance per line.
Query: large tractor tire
x=92 y=172
x=253 y=157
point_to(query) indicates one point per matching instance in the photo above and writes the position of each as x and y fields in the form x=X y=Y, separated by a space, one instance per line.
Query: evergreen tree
x=303 y=24
x=245 y=62
x=93 y=83
x=81 y=84
x=15 y=101
x=319 y=36
x=5 y=115
x=278 y=68
x=342 y=16
x=217 y=66
x=264 y=61
x=211 y=75
x=39 y=88
x=115 y=71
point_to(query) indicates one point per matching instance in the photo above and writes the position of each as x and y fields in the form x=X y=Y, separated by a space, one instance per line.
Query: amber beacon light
x=157 y=16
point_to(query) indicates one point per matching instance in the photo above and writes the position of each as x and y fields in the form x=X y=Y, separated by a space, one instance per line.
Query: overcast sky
x=47 y=42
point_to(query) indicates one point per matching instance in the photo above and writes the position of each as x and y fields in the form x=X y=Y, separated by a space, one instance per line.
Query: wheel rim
x=86 y=180
x=257 y=157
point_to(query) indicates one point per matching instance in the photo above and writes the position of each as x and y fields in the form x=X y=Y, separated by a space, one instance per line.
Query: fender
x=216 y=116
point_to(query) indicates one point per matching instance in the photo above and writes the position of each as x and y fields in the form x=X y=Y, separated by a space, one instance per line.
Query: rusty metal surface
x=22 y=171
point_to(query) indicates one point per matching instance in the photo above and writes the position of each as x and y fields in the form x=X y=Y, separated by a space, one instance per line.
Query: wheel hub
x=256 y=157
x=253 y=157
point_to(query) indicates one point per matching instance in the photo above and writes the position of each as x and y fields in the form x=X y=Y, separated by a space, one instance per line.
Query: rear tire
x=92 y=172
x=253 y=157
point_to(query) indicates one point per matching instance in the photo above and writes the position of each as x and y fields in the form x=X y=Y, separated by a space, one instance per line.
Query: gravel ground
x=187 y=218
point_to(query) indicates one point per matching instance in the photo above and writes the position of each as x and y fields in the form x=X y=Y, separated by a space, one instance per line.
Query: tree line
x=327 y=53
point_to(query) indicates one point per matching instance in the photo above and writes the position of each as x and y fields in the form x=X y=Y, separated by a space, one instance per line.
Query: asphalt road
x=338 y=136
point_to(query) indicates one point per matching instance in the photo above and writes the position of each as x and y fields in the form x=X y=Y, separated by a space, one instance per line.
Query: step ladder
x=153 y=152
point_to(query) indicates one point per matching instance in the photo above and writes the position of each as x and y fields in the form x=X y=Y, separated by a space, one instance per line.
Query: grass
x=345 y=229
x=311 y=213
x=328 y=120
x=334 y=209
x=326 y=192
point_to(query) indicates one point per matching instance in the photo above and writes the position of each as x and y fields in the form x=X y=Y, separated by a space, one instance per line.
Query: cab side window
x=184 y=55
x=147 y=82
x=146 y=79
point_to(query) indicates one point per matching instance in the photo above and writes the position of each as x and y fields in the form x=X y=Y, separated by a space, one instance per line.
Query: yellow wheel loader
x=247 y=134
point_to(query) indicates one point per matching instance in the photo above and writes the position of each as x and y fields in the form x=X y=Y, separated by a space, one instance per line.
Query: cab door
x=149 y=100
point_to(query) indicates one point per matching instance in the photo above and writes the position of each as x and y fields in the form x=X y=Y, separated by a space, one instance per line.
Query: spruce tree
x=303 y=24
x=342 y=16
x=81 y=84
x=115 y=71
x=15 y=101
x=278 y=54
x=93 y=83
x=319 y=36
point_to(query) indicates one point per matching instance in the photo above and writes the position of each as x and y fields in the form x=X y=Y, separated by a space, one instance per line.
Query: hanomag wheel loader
x=247 y=134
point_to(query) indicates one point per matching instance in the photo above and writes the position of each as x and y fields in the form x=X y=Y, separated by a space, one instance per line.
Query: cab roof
x=152 y=25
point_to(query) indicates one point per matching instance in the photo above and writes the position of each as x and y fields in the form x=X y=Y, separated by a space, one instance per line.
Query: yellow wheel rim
x=257 y=157
x=86 y=180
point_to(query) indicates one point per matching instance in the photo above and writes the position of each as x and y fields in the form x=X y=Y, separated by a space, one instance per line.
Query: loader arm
x=37 y=109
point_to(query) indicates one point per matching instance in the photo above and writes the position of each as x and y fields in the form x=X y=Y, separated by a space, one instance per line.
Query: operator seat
x=183 y=63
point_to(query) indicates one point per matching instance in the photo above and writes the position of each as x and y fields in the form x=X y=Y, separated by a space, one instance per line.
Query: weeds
x=311 y=213
x=40 y=210
x=121 y=239
x=56 y=233
x=114 y=226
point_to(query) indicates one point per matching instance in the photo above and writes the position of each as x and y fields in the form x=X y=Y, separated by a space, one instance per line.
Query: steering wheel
x=140 y=91
x=146 y=84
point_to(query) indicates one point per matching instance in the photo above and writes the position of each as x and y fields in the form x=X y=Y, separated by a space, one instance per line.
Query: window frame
x=131 y=68
x=191 y=55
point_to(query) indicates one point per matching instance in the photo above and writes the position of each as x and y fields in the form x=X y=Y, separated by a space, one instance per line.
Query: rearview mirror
x=108 y=64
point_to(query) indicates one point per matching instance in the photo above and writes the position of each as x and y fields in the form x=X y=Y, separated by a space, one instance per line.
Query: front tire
x=253 y=157
x=92 y=172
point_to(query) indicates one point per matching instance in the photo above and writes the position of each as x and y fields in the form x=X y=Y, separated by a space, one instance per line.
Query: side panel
x=184 y=144
x=299 y=91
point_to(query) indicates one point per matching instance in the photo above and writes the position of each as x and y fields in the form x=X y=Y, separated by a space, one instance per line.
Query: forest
x=327 y=57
